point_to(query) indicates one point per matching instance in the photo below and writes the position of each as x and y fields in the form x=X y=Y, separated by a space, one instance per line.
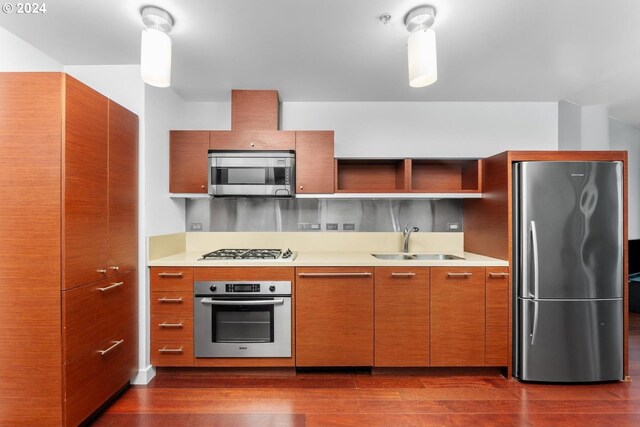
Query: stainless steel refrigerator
x=568 y=272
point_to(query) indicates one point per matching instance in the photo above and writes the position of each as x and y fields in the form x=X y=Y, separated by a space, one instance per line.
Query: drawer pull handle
x=115 y=344
x=165 y=299
x=113 y=285
x=101 y=271
x=459 y=274
x=170 y=350
x=178 y=274
x=170 y=325
x=498 y=274
x=407 y=274
x=114 y=268
x=346 y=274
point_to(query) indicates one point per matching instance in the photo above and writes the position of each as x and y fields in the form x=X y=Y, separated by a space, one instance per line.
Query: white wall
x=569 y=121
x=625 y=137
x=18 y=55
x=411 y=129
x=208 y=115
x=594 y=127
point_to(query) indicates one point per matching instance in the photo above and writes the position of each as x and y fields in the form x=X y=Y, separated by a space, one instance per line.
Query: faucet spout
x=406 y=233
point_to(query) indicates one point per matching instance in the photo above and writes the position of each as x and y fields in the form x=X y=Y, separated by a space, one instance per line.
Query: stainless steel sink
x=415 y=257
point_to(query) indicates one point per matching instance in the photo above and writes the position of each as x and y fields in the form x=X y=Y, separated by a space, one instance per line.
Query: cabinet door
x=188 y=161
x=334 y=316
x=85 y=185
x=457 y=316
x=258 y=140
x=497 y=316
x=401 y=316
x=123 y=189
x=314 y=162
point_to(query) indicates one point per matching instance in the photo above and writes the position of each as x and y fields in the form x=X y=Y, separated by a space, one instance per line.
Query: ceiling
x=585 y=51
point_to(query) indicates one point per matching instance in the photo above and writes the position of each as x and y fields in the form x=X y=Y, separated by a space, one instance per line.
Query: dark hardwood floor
x=461 y=398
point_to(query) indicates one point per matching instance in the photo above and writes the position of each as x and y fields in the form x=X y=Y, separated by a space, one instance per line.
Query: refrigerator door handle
x=534 y=329
x=536 y=271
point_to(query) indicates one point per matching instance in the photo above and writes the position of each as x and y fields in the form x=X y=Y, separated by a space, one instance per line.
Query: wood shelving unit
x=408 y=176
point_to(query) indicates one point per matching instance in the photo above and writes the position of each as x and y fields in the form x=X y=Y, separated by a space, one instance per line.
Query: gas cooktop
x=253 y=254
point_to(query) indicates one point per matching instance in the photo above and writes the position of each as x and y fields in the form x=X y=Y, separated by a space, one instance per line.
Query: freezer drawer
x=569 y=340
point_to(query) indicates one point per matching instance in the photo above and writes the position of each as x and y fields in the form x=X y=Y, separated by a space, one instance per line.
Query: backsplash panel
x=262 y=214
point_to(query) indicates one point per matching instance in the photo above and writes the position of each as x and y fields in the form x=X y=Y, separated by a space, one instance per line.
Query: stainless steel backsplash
x=262 y=214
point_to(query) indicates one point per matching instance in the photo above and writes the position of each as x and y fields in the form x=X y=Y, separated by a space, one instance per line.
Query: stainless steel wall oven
x=242 y=319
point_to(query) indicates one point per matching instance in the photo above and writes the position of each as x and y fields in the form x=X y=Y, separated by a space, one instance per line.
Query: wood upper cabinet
x=314 y=162
x=497 y=324
x=334 y=316
x=188 y=159
x=457 y=316
x=252 y=140
x=254 y=110
x=123 y=190
x=85 y=173
x=401 y=316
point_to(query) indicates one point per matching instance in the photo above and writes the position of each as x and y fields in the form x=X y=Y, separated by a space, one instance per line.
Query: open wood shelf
x=371 y=175
x=408 y=176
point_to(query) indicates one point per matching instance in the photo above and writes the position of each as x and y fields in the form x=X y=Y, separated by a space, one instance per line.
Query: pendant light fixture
x=421 y=46
x=155 y=52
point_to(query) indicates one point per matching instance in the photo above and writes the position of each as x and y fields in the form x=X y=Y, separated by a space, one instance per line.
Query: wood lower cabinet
x=401 y=316
x=188 y=160
x=497 y=316
x=60 y=171
x=314 y=162
x=334 y=316
x=457 y=316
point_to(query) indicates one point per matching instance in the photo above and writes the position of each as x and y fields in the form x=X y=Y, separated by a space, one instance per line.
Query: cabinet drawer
x=172 y=279
x=171 y=328
x=94 y=312
x=93 y=378
x=172 y=304
x=172 y=353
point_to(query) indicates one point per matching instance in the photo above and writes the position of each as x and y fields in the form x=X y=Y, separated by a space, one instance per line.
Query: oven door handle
x=211 y=301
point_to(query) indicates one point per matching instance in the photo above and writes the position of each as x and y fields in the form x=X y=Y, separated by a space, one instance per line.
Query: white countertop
x=324 y=259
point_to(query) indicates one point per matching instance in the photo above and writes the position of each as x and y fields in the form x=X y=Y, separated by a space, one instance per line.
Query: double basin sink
x=417 y=257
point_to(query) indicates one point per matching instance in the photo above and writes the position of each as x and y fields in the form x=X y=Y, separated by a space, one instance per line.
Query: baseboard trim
x=144 y=376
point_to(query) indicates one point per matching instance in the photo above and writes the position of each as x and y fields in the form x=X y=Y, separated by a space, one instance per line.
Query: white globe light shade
x=155 y=58
x=423 y=62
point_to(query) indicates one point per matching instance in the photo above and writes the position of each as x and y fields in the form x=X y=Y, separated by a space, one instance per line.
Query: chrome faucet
x=406 y=233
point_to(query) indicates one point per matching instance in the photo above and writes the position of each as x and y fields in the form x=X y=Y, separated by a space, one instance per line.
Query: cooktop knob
x=272 y=288
x=213 y=288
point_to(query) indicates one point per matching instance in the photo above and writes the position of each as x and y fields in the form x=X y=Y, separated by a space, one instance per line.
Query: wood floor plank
x=212 y=420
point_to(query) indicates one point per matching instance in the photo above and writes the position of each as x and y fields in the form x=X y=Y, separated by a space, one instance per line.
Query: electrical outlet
x=332 y=226
x=196 y=226
x=314 y=226
x=303 y=226
x=349 y=226
x=453 y=226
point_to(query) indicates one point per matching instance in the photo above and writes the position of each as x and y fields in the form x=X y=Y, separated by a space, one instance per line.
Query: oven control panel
x=242 y=287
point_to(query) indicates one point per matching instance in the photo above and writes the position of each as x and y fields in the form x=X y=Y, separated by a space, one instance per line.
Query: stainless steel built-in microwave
x=252 y=173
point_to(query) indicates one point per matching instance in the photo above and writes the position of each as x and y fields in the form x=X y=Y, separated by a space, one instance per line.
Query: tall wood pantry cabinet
x=68 y=230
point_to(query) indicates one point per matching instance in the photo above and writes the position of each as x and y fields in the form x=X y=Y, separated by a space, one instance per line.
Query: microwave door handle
x=211 y=301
